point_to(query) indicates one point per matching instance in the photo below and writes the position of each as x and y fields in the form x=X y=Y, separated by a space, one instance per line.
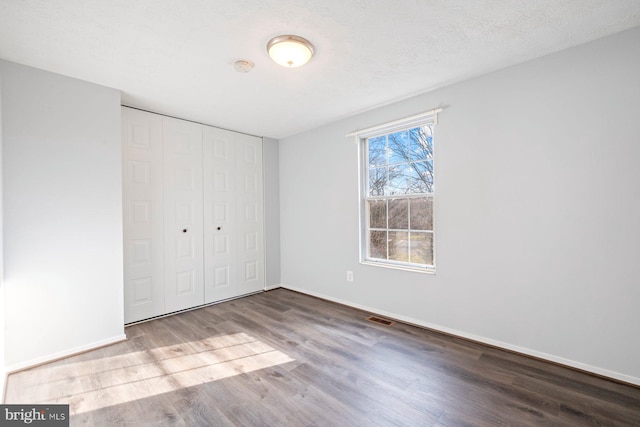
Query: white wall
x=271 y=212
x=2 y=340
x=62 y=214
x=537 y=207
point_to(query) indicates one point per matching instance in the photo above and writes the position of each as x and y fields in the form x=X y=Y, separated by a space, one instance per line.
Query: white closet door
x=219 y=155
x=183 y=231
x=250 y=228
x=142 y=215
x=233 y=230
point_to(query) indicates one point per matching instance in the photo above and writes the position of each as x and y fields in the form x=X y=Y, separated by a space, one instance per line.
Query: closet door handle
x=184 y=230
x=219 y=228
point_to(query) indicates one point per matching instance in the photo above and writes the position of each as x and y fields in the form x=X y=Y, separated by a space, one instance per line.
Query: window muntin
x=398 y=197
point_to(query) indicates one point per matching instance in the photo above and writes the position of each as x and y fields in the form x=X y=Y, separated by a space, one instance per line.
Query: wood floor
x=285 y=359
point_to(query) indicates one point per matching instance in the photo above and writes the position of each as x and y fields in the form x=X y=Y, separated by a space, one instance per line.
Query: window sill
x=400 y=267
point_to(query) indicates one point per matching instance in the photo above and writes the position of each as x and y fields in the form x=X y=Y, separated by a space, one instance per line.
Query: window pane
x=378 y=244
x=377 y=181
x=421 y=143
x=421 y=214
x=399 y=246
x=399 y=147
x=378 y=150
x=377 y=214
x=399 y=180
x=421 y=177
x=399 y=176
x=399 y=214
x=421 y=248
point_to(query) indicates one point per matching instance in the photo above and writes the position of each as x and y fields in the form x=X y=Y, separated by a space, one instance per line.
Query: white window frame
x=428 y=118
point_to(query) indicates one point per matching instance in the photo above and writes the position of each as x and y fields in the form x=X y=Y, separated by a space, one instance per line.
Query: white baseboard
x=523 y=350
x=272 y=287
x=60 y=355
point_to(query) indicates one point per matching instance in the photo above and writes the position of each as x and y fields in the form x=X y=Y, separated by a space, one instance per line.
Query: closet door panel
x=220 y=213
x=250 y=230
x=142 y=215
x=183 y=230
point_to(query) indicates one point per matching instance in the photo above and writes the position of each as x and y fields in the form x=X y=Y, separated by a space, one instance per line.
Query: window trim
x=424 y=119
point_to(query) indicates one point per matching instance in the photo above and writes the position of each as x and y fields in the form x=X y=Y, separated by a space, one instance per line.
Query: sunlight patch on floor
x=88 y=385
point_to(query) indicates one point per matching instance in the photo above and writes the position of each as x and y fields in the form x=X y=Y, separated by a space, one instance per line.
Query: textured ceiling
x=175 y=56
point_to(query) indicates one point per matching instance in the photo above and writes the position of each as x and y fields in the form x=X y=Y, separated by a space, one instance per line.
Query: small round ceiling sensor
x=243 y=66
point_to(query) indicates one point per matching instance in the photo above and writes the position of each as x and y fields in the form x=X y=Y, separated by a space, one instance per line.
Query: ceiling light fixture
x=290 y=51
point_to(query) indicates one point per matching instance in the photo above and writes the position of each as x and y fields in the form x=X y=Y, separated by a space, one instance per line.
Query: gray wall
x=62 y=214
x=537 y=207
x=2 y=309
x=272 y=211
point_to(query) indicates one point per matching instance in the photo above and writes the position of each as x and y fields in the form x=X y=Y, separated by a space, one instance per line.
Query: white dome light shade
x=290 y=51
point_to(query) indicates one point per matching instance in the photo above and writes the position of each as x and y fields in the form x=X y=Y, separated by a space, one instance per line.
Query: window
x=397 y=195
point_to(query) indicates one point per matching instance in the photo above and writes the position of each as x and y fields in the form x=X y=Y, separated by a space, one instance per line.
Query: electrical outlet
x=349 y=276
